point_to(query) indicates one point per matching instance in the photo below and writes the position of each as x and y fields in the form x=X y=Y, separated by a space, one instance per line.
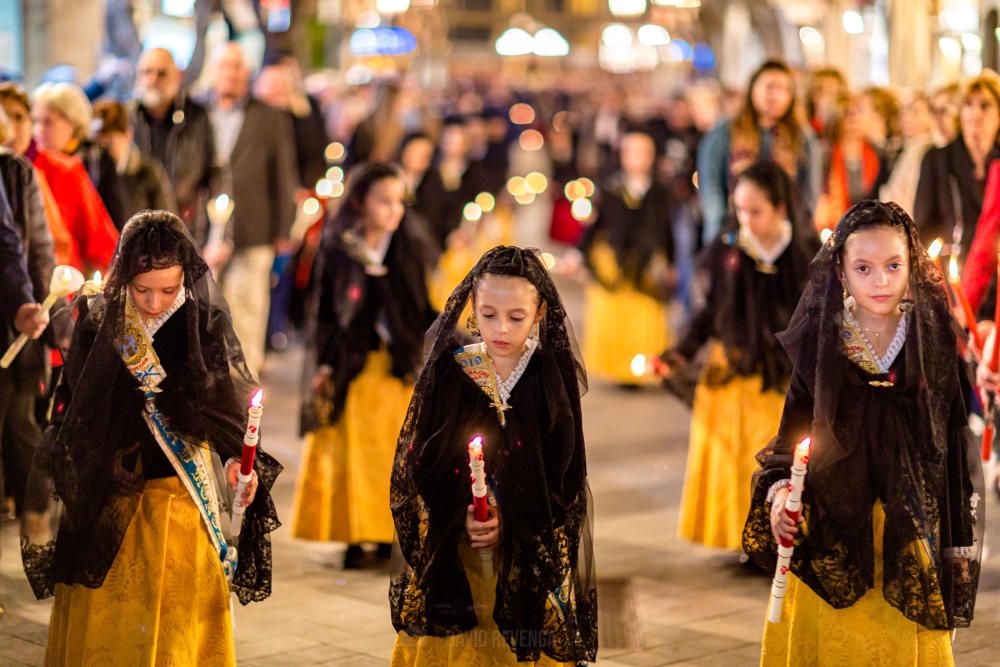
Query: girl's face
x=772 y=95
x=20 y=124
x=416 y=157
x=876 y=269
x=506 y=308
x=384 y=205
x=756 y=212
x=153 y=292
x=979 y=117
x=638 y=152
x=52 y=130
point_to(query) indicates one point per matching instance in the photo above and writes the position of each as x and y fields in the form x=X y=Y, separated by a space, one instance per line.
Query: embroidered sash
x=476 y=363
x=191 y=461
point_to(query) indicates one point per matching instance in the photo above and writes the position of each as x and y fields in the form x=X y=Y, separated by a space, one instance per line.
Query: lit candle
x=480 y=505
x=65 y=281
x=934 y=250
x=93 y=286
x=793 y=509
x=220 y=210
x=970 y=316
x=639 y=366
x=250 y=440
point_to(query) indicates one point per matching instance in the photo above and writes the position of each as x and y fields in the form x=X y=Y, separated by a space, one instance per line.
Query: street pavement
x=664 y=602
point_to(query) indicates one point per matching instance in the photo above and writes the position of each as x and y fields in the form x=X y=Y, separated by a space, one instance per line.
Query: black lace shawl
x=744 y=308
x=546 y=601
x=87 y=454
x=907 y=444
x=349 y=300
x=637 y=232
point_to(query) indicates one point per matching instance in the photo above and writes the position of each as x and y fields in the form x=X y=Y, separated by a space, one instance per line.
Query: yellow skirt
x=342 y=492
x=729 y=425
x=165 y=600
x=482 y=646
x=621 y=324
x=869 y=632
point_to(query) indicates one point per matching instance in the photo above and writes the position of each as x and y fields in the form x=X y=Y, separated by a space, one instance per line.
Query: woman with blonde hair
x=63 y=116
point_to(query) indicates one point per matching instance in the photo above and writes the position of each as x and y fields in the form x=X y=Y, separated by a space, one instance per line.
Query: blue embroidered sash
x=192 y=461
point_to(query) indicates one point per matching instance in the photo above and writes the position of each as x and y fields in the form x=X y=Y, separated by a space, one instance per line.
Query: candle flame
x=67 y=274
x=804 y=445
x=825 y=235
x=477 y=441
x=934 y=249
x=97 y=278
x=257 y=398
x=222 y=202
x=638 y=365
x=953 y=274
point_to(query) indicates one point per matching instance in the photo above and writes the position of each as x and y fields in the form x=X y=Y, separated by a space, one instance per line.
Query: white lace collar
x=154 y=325
x=505 y=387
x=757 y=251
x=884 y=362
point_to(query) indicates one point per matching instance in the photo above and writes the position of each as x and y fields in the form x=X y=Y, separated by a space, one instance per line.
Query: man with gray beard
x=176 y=131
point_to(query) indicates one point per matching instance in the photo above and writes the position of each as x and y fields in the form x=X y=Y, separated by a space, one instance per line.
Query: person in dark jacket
x=146 y=181
x=953 y=178
x=25 y=267
x=178 y=132
x=256 y=158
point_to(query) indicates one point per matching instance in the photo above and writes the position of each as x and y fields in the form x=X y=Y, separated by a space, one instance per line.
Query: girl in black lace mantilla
x=887 y=553
x=142 y=451
x=520 y=389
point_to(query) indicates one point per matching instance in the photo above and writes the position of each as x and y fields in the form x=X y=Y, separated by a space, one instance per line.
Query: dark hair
x=153 y=240
x=772 y=180
x=410 y=138
x=359 y=184
x=112 y=116
x=869 y=214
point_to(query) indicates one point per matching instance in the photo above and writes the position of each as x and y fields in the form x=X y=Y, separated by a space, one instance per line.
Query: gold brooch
x=881 y=383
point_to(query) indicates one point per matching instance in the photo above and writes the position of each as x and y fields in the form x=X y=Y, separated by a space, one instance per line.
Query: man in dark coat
x=255 y=152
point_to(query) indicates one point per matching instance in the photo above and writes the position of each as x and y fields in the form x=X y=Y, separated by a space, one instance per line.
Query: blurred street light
x=627 y=7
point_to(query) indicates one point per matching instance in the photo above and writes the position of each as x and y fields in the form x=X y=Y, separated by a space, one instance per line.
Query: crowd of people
x=760 y=253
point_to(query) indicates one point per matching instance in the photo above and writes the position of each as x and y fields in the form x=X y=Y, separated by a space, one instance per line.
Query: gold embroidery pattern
x=476 y=363
x=854 y=347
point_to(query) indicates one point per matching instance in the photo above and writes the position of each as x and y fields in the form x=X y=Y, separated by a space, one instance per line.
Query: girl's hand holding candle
x=482 y=534
x=785 y=527
x=243 y=478
x=481 y=521
x=249 y=489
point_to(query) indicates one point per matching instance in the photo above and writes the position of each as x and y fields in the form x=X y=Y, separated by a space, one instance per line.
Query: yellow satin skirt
x=342 y=492
x=165 y=600
x=482 y=646
x=621 y=324
x=729 y=425
x=869 y=632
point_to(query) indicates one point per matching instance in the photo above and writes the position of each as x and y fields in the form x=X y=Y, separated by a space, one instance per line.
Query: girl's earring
x=849 y=303
x=535 y=331
x=906 y=305
x=472 y=324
